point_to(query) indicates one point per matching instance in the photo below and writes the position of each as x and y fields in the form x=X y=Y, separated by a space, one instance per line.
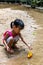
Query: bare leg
x=14 y=45
x=9 y=45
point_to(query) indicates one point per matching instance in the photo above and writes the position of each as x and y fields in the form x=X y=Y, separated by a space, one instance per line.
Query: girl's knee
x=10 y=39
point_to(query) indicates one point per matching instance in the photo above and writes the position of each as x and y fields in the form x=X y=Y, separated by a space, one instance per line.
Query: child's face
x=16 y=29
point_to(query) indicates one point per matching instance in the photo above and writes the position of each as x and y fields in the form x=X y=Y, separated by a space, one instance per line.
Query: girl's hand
x=29 y=47
x=8 y=49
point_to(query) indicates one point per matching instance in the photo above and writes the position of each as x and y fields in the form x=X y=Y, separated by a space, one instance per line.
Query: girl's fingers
x=30 y=48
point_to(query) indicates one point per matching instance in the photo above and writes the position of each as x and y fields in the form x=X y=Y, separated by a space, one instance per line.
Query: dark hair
x=17 y=23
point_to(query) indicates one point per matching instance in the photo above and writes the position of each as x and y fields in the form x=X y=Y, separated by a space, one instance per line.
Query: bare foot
x=15 y=47
x=9 y=50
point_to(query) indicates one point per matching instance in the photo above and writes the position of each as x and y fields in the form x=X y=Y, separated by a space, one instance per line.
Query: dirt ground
x=32 y=33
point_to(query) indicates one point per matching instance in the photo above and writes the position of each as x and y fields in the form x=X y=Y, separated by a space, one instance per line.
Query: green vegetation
x=33 y=3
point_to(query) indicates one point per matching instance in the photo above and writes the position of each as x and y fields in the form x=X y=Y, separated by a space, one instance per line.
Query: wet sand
x=32 y=33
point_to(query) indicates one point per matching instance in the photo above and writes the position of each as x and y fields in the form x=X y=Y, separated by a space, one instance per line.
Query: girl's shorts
x=15 y=39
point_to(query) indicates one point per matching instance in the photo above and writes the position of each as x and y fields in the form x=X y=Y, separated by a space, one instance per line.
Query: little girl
x=11 y=37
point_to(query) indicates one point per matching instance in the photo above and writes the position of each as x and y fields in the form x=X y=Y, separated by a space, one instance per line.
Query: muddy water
x=32 y=33
x=38 y=42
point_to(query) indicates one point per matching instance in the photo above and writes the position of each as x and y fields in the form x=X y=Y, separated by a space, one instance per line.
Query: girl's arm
x=25 y=42
x=6 y=46
x=6 y=36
